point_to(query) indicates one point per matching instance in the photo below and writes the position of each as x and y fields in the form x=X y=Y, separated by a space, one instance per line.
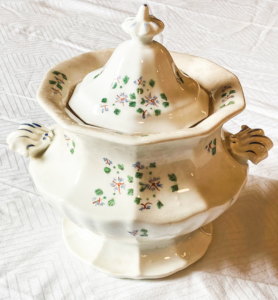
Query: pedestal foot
x=147 y=258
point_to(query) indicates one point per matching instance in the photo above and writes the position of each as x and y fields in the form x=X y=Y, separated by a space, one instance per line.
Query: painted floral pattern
x=104 y=108
x=72 y=146
x=144 y=232
x=154 y=184
x=138 y=166
x=122 y=99
x=140 y=81
x=151 y=104
x=151 y=100
x=58 y=83
x=145 y=206
x=145 y=114
x=98 y=201
x=211 y=147
x=133 y=232
x=107 y=161
x=118 y=184
x=227 y=94
x=125 y=181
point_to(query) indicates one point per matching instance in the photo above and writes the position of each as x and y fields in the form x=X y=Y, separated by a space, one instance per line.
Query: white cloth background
x=242 y=36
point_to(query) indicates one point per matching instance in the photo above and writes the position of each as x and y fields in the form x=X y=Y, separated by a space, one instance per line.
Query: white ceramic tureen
x=138 y=162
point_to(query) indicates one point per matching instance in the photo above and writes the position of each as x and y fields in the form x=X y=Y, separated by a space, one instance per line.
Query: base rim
x=134 y=261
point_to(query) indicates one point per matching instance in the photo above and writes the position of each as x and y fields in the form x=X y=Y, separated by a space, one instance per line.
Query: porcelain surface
x=128 y=193
x=140 y=90
x=137 y=260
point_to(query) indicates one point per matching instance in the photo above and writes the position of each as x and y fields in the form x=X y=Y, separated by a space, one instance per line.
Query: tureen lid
x=140 y=90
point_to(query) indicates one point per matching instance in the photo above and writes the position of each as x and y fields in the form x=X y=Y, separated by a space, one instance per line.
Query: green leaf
x=132 y=103
x=137 y=200
x=138 y=175
x=114 y=85
x=222 y=106
x=96 y=76
x=71 y=151
x=104 y=100
x=157 y=112
x=107 y=170
x=132 y=96
x=223 y=95
x=52 y=81
x=152 y=83
x=56 y=73
x=143 y=101
x=174 y=188
x=231 y=102
x=130 y=192
x=130 y=179
x=213 y=151
x=140 y=91
x=117 y=111
x=214 y=142
x=73 y=144
x=159 y=204
x=153 y=165
x=111 y=202
x=232 y=92
x=59 y=86
x=98 y=192
x=172 y=177
x=144 y=232
x=64 y=76
x=163 y=96
x=165 y=104
x=140 y=110
x=143 y=187
x=126 y=79
x=121 y=167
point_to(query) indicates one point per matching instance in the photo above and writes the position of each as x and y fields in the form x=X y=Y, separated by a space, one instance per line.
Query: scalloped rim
x=198 y=68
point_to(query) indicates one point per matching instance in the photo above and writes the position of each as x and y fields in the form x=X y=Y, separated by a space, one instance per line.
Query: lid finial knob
x=143 y=27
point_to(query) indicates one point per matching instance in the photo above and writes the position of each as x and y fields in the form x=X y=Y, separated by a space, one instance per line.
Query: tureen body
x=112 y=189
x=139 y=203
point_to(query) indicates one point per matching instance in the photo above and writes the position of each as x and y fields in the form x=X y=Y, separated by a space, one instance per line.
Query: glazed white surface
x=140 y=90
x=195 y=176
x=201 y=179
x=242 y=259
x=135 y=260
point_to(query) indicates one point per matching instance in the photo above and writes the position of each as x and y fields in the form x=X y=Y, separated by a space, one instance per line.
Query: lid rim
x=55 y=104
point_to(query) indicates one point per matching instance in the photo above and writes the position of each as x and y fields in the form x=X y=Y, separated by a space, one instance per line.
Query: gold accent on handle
x=249 y=144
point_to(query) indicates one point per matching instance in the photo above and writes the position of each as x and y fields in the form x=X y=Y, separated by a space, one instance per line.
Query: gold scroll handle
x=249 y=144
